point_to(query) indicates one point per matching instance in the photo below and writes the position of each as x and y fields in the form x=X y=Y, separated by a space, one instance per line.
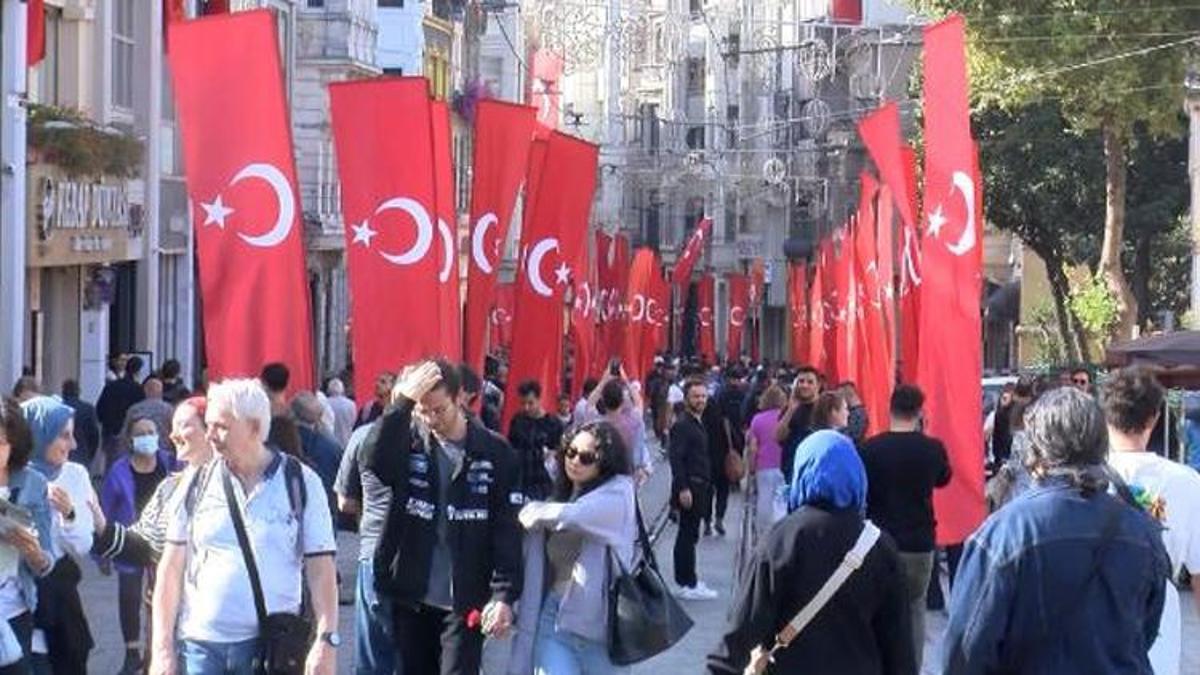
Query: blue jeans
x=199 y=657
x=374 y=647
x=560 y=653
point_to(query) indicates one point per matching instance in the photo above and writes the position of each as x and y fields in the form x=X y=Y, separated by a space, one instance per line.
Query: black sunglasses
x=586 y=458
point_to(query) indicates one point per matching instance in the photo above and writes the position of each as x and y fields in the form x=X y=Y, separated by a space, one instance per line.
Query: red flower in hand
x=473 y=619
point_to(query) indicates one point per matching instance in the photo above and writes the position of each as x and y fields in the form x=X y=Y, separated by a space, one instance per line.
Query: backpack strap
x=293 y=475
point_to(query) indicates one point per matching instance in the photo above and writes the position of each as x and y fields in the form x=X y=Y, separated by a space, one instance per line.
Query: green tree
x=1111 y=64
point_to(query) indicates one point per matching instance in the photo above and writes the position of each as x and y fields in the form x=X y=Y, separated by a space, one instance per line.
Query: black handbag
x=285 y=637
x=644 y=619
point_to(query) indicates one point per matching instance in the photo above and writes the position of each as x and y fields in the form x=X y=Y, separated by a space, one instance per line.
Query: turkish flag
x=951 y=358
x=880 y=132
x=816 y=315
x=35 y=32
x=682 y=274
x=584 y=310
x=554 y=248
x=845 y=304
x=798 y=308
x=885 y=258
x=242 y=180
x=739 y=304
x=756 y=294
x=545 y=93
x=705 y=311
x=501 y=317
x=874 y=376
x=450 y=294
x=383 y=130
x=502 y=140
x=612 y=274
x=647 y=313
x=910 y=277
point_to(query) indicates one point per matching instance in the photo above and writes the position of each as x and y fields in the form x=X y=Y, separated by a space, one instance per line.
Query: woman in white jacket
x=562 y=624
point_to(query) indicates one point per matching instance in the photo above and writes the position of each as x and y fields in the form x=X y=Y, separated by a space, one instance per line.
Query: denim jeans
x=199 y=657
x=917 y=569
x=558 y=653
x=374 y=647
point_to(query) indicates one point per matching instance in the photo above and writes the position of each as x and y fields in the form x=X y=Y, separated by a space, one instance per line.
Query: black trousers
x=22 y=626
x=435 y=641
x=129 y=604
x=689 y=533
x=720 y=496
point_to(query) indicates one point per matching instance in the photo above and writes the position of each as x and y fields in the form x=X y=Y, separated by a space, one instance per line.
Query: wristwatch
x=332 y=639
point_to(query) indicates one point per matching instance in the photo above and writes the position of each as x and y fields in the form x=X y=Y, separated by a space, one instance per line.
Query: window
x=437 y=71
x=319 y=3
x=122 y=54
x=695 y=138
x=395 y=72
x=49 y=91
x=696 y=7
x=695 y=76
x=391 y=3
x=732 y=121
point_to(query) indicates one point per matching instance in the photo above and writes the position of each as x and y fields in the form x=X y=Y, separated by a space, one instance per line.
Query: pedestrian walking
x=450 y=559
x=617 y=400
x=563 y=614
x=251 y=529
x=860 y=623
x=719 y=446
x=343 y=411
x=857 y=418
x=153 y=407
x=128 y=487
x=372 y=410
x=60 y=621
x=25 y=487
x=174 y=390
x=796 y=423
x=535 y=437
x=691 y=485
x=322 y=452
x=904 y=466
x=764 y=456
x=1167 y=491
x=87 y=425
x=115 y=400
x=1065 y=576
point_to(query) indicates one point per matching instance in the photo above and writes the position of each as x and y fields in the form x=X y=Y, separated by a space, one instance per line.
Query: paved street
x=716 y=556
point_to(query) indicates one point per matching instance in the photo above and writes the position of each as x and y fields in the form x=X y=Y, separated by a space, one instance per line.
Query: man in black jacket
x=450 y=553
x=117 y=397
x=691 y=486
x=532 y=434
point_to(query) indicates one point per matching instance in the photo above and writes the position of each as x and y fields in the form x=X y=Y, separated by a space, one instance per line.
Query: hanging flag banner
x=35 y=32
x=682 y=274
x=951 y=358
x=241 y=179
x=739 y=303
x=874 y=375
x=816 y=314
x=544 y=82
x=798 y=308
x=501 y=317
x=910 y=278
x=647 y=314
x=502 y=140
x=449 y=291
x=612 y=273
x=394 y=243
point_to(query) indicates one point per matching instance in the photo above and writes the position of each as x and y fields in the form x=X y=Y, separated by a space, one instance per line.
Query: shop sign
x=81 y=222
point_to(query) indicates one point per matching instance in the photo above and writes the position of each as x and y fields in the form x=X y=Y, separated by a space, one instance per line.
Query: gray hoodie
x=605 y=516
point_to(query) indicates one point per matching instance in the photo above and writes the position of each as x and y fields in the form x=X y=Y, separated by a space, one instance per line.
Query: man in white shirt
x=203 y=594
x=344 y=411
x=1168 y=491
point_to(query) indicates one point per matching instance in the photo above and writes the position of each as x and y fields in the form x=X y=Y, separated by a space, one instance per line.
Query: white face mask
x=145 y=445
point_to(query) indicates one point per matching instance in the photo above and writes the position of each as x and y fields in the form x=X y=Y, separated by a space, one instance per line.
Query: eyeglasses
x=1081 y=381
x=584 y=458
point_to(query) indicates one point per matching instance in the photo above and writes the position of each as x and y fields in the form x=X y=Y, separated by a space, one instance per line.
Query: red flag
x=739 y=303
x=393 y=242
x=450 y=294
x=846 y=11
x=215 y=7
x=584 y=310
x=910 y=277
x=816 y=315
x=612 y=273
x=35 y=32
x=646 y=313
x=874 y=376
x=554 y=243
x=756 y=295
x=501 y=317
x=502 y=141
x=691 y=253
x=242 y=179
x=544 y=82
x=705 y=311
x=173 y=11
x=798 y=307
x=884 y=247
x=840 y=341
x=880 y=132
x=951 y=360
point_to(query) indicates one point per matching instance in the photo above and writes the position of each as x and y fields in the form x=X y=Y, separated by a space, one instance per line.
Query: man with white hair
x=344 y=411
x=234 y=548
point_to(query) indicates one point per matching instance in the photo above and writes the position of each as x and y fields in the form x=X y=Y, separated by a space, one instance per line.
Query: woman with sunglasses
x=562 y=622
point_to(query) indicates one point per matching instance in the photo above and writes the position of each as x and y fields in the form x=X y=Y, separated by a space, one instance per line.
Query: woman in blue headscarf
x=864 y=627
x=59 y=618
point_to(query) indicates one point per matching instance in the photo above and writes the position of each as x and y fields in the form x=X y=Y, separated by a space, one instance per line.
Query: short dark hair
x=1081 y=369
x=907 y=402
x=693 y=382
x=470 y=379
x=529 y=388
x=614 y=458
x=133 y=365
x=822 y=414
x=275 y=377
x=70 y=389
x=25 y=384
x=1132 y=398
x=808 y=370
x=16 y=432
x=451 y=378
x=170 y=369
x=589 y=385
x=612 y=396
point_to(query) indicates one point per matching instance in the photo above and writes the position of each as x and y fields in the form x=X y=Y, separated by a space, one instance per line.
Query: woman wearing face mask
x=26 y=488
x=562 y=626
x=62 y=640
x=128 y=487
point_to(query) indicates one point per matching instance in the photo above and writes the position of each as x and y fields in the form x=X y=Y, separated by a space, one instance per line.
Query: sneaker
x=708 y=529
x=705 y=592
x=720 y=528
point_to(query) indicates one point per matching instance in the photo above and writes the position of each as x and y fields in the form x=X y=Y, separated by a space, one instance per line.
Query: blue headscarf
x=828 y=473
x=46 y=417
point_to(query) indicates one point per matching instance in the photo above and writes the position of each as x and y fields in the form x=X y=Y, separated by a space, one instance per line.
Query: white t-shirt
x=218 y=604
x=1171 y=493
x=74 y=537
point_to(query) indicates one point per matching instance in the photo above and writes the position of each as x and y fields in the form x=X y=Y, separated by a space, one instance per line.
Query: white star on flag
x=216 y=212
x=363 y=233
x=562 y=274
x=937 y=220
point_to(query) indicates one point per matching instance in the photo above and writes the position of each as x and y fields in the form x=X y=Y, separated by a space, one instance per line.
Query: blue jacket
x=117 y=496
x=323 y=453
x=30 y=487
x=1058 y=583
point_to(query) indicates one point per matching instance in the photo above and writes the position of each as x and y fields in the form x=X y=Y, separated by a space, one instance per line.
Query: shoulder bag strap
x=852 y=561
x=239 y=527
